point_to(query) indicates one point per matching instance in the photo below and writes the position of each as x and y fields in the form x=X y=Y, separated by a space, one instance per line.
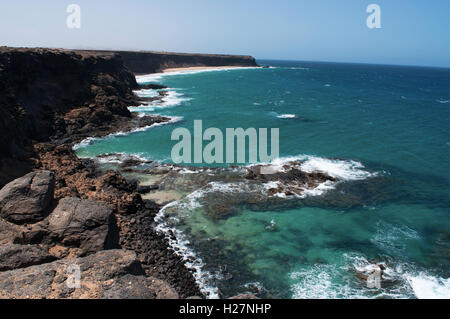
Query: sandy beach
x=202 y=68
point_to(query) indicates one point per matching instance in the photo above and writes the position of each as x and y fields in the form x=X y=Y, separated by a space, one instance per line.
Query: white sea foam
x=90 y=140
x=428 y=287
x=299 y=68
x=84 y=143
x=320 y=189
x=343 y=170
x=180 y=245
x=410 y=280
x=322 y=282
x=155 y=77
x=167 y=224
x=393 y=240
x=338 y=280
x=120 y=158
x=346 y=170
x=172 y=98
x=443 y=101
x=141 y=109
x=146 y=93
x=287 y=116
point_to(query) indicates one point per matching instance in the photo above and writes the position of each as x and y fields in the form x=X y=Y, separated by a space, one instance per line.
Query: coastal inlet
x=345 y=200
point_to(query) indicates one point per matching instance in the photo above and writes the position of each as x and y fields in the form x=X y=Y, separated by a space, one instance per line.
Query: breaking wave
x=90 y=140
x=156 y=77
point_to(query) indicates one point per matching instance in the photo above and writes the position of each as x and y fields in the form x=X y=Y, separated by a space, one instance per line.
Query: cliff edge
x=56 y=209
x=146 y=62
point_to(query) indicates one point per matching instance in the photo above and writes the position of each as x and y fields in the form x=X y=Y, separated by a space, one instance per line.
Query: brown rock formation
x=20 y=256
x=27 y=199
x=108 y=274
x=51 y=93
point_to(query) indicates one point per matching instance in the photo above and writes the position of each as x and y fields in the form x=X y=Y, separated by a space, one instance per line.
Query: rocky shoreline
x=57 y=210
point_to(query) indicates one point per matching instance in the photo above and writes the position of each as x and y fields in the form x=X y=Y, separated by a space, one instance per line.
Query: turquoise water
x=392 y=123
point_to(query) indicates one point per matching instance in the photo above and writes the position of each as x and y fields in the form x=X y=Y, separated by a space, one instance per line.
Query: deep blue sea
x=383 y=130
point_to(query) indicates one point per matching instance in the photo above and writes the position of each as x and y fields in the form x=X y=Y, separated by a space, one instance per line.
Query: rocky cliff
x=57 y=210
x=145 y=62
x=57 y=207
x=50 y=93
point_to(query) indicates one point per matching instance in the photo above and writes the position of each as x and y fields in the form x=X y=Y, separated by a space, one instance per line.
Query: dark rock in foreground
x=51 y=99
x=85 y=224
x=8 y=232
x=78 y=227
x=81 y=225
x=107 y=274
x=20 y=256
x=27 y=199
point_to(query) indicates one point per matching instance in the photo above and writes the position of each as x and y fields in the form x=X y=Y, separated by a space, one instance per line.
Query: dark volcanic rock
x=8 y=232
x=152 y=86
x=27 y=199
x=85 y=224
x=103 y=275
x=46 y=93
x=51 y=99
x=158 y=261
x=20 y=256
x=138 y=287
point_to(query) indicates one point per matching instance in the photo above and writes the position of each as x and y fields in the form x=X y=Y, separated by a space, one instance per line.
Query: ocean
x=383 y=131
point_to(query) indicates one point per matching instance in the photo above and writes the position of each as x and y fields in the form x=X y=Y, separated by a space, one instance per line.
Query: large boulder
x=21 y=256
x=107 y=274
x=28 y=198
x=84 y=224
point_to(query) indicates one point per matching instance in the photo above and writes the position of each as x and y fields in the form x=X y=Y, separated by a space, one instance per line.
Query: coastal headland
x=57 y=210
x=146 y=62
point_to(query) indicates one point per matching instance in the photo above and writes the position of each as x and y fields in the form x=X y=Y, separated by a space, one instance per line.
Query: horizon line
x=225 y=54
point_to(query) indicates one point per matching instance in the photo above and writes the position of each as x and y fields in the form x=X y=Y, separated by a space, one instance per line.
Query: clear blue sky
x=414 y=32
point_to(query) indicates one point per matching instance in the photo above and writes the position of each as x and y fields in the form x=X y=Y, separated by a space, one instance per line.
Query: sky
x=413 y=32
